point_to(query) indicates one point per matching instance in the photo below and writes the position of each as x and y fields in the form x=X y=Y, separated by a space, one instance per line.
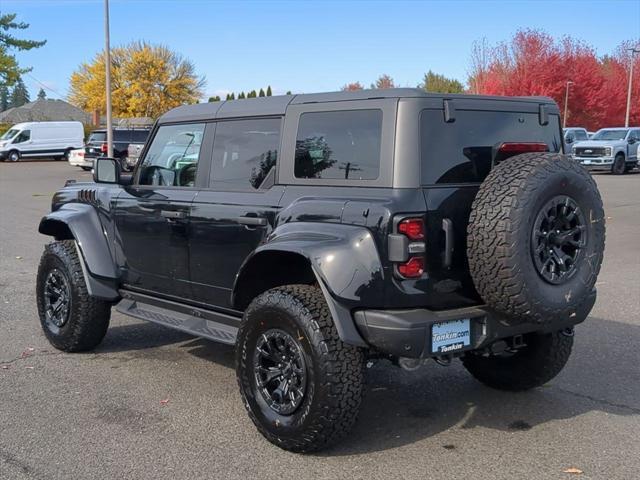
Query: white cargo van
x=41 y=139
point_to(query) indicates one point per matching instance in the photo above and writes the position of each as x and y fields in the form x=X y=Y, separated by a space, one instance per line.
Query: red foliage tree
x=533 y=63
x=352 y=87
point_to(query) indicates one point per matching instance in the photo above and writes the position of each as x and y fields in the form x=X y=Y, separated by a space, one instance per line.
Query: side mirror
x=569 y=139
x=106 y=170
x=631 y=141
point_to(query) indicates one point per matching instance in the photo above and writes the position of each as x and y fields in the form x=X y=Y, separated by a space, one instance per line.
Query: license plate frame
x=450 y=336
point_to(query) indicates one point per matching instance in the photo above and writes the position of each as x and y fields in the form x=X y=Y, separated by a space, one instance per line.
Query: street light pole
x=626 y=117
x=107 y=54
x=566 y=103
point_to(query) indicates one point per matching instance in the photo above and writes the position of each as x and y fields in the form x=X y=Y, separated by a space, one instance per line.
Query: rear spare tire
x=536 y=238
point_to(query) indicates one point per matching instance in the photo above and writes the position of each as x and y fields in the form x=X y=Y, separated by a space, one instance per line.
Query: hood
x=598 y=143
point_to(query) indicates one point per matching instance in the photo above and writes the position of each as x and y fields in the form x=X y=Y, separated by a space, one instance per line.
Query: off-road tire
x=88 y=317
x=500 y=230
x=619 y=166
x=544 y=356
x=335 y=370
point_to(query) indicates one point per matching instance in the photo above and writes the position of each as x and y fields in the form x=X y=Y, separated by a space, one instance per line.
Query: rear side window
x=245 y=152
x=339 y=145
x=462 y=151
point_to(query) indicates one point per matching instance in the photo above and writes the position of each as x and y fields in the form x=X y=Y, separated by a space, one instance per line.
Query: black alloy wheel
x=559 y=236
x=57 y=299
x=280 y=371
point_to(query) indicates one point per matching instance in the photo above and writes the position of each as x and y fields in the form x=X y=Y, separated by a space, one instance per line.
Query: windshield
x=610 y=135
x=9 y=134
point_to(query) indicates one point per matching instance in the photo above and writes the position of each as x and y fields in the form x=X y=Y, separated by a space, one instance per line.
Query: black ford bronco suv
x=316 y=232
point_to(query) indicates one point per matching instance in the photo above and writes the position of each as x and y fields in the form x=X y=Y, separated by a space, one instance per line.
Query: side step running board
x=215 y=326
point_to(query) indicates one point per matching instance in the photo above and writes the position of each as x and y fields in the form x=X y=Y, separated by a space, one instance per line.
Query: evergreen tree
x=214 y=99
x=20 y=94
x=242 y=95
x=233 y=96
x=4 y=98
x=434 y=82
x=269 y=93
x=42 y=95
x=261 y=94
x=10 y=71
x=288 y=92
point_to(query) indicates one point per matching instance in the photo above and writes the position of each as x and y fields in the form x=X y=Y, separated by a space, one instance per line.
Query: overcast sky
x=306 y=46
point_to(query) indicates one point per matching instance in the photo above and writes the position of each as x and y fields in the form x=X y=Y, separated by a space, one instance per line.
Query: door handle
x=252 y=221
x=447 y=227
x=173 y=214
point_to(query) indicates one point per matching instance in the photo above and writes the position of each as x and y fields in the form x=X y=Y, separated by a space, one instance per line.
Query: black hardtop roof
x=277 y=105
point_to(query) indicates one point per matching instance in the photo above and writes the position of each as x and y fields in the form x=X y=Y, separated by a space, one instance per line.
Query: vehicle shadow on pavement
x=401 y=407
x=139 y=336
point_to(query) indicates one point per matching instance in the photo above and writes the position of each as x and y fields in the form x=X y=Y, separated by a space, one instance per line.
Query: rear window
x=97 y=137
x=339 y=145
x=462 y=151
x=122 y=135
x=140 y=136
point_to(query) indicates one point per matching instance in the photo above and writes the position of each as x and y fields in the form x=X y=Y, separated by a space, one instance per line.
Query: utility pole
x=626 y=117
x=107 y=54
x=566 y=103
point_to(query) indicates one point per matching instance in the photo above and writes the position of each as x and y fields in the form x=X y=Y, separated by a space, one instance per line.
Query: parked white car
x=77 y=159
x=41 y=139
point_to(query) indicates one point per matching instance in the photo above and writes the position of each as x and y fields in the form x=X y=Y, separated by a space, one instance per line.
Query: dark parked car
x=318 y=232
x=96 y=145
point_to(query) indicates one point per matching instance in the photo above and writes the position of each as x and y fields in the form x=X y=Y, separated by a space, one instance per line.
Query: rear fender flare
x=344 y=259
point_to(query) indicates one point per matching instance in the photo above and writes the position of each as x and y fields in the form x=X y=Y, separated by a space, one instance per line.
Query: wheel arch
x=321 y=254
x=80 y=222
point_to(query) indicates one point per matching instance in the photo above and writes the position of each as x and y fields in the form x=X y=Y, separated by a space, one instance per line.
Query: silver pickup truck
x=612 y=149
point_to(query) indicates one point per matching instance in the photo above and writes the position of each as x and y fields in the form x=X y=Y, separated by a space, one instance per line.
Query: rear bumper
x=408 y=333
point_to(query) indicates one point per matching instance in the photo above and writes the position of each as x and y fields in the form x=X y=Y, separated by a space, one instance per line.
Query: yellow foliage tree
x=146 y=81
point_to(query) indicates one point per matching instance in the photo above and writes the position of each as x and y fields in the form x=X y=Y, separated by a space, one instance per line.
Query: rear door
x=456 y=157
x=231 y=217
x=152 y=214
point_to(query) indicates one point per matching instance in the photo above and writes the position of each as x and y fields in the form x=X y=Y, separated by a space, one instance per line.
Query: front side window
x=341 y=145
x=23 y=136
x=172 y=158
x=245 y=153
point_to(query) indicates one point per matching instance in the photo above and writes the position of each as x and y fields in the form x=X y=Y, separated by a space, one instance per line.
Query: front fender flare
x=82 y=223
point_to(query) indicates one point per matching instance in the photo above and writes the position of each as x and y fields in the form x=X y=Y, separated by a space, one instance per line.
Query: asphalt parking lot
x=151 y=403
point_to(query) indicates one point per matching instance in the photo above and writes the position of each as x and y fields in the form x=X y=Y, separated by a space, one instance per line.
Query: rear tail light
x=413 y=268
x=407 y=247
x=104 y=148
x=412 y=228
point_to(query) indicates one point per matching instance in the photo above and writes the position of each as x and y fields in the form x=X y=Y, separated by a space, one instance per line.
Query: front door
x=152 y=215
x=233 y=216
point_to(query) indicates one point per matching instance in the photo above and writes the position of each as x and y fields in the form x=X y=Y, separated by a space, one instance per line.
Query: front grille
x=591 y=151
